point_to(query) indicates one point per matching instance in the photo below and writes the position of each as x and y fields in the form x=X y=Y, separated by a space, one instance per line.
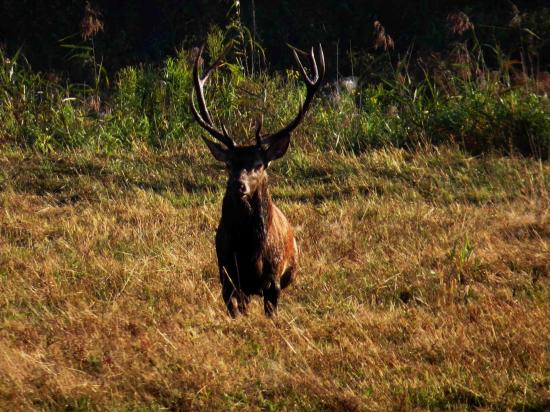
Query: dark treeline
x=136 y=31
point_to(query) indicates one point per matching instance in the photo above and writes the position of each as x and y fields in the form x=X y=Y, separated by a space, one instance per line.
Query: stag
x=255 y=244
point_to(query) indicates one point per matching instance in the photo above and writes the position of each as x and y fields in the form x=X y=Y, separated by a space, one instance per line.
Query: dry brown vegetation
x=424 y=284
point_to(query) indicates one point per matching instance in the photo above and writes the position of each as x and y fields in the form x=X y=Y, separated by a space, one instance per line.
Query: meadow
x=422 y=211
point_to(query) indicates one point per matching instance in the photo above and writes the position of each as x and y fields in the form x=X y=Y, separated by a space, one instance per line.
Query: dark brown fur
x=256 y=250
x=255 y=243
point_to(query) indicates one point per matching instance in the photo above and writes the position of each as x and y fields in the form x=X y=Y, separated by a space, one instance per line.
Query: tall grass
x=424 y=284
x=150 y=105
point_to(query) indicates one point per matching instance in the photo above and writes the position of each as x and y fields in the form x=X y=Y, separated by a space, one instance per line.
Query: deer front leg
x=235 y=300
x=271 y=298
x=229 y=294
x=243 y=301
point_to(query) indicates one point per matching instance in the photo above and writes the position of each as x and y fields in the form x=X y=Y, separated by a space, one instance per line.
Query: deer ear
x=278 y=148
x=217 y=150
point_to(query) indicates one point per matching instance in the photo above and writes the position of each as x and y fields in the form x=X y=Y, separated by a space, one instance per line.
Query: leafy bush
x=150 y=105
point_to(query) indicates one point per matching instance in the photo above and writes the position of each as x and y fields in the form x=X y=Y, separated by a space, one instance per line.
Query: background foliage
x=116 y=74
x=145 y=31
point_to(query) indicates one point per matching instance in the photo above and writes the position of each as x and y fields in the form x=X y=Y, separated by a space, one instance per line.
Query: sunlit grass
x=423 y=283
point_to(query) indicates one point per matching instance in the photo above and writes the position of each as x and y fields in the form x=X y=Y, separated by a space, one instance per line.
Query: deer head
x=246 y=165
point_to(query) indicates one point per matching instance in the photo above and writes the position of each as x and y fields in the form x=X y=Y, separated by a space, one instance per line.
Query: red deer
x=255 y=242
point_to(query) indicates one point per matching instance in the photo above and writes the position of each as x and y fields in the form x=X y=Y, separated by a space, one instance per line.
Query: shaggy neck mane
x=249 y=219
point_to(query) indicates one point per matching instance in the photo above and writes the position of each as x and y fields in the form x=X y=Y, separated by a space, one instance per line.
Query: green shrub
x=150 y=105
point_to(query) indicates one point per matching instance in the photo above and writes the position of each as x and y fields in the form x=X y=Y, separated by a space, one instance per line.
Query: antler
x=312 y=85
x=259 y=124
x=204 y=118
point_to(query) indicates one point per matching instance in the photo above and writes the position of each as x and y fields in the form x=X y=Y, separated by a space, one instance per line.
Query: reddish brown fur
x=256 y=249
x=255 y=243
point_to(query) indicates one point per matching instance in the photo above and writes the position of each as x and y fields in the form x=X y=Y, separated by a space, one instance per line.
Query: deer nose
x=238 y=187
x=241 y=188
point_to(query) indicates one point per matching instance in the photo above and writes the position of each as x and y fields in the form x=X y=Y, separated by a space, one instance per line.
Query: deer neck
x=250 y=217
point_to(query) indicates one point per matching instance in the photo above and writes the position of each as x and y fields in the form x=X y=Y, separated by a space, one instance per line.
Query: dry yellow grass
x=424 y=284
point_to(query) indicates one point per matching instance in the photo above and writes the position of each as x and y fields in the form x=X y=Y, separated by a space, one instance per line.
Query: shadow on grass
x=69 y=180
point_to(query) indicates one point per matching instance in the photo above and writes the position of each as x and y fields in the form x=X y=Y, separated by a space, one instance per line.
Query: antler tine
x=313 y=64
x=321 y=62
x=224 y=130
x=199 y=83
x=217 y=63
x=312 y=85
x=300 y=65
x=204 y=118
x=259 y=124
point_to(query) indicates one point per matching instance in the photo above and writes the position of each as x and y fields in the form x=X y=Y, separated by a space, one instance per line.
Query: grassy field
x=424 y=284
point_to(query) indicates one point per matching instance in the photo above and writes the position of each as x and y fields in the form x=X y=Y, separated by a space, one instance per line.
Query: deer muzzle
x=239 y=188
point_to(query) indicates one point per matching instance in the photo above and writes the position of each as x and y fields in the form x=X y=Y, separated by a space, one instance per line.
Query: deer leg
x=243 y=301
x=287 y=277
x=229 y=294
x=271 y=298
